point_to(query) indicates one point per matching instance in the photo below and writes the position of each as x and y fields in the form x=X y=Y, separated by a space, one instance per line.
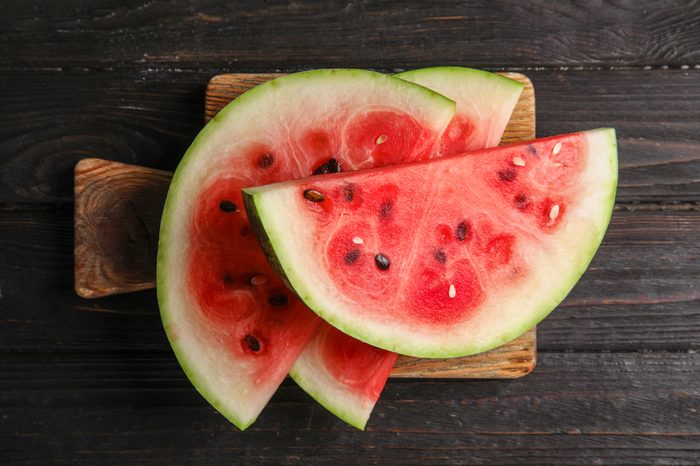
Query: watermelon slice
x=485 y=102
x=235 y=328
x=347 y=375
x=448 y=257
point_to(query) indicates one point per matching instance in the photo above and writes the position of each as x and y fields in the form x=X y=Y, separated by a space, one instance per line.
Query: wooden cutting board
x=117 y=216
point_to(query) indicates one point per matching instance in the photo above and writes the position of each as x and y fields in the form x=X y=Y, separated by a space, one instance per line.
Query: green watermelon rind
x=262 y=217
x=168 y=246
x=321 y=395
x=459 y=72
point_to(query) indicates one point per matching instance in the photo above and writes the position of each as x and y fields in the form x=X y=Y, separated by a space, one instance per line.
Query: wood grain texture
x=95 y=382
x=252 y=36
x=117 y=217
x=576 y=409
x=514 y=359
x=52 y=119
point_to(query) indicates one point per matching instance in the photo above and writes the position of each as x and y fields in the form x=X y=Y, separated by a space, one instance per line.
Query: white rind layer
x=487 y=99
x=260 y=115
x=555 y=270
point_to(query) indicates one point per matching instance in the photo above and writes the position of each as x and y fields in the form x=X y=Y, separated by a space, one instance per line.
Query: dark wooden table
x=95 y=382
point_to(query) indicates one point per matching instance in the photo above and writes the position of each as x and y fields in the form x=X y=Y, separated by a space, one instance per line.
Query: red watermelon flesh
x=458 y=254
x=485 y=102
x=235 y=328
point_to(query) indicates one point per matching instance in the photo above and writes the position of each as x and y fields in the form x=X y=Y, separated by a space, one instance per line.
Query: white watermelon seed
x=557 y=148
x=518 y=161
x=554 y=212
x=558 y=164
x=453 y=291
x=258 y=280
x=381 y=139
x=357 y=240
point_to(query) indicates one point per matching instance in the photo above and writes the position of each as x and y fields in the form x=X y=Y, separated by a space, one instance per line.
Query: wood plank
x=639 y=294
x=239 y=35
x=559 y=449
x=50 y=120
x=117 y=217
x=514 y=359
x=578 y=408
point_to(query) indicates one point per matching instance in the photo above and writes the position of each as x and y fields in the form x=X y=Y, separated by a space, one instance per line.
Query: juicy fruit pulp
x=235 y=328
x=332 y=363
x=504 y=234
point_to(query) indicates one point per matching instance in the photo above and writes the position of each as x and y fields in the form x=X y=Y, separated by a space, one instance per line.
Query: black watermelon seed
x=507 y=175
x=228 y=279
x=461 y=231
x=228 y=206
x=352 y=256
x=252 y=343
x=265 y=161
x=385 y=209
x=321 y=170
x=521 y=201
x=531 y=150
x=382 y=261
x=440 y=256
x=278 y=299
x=348 y=192
x=333 y=166
x=313 y=195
